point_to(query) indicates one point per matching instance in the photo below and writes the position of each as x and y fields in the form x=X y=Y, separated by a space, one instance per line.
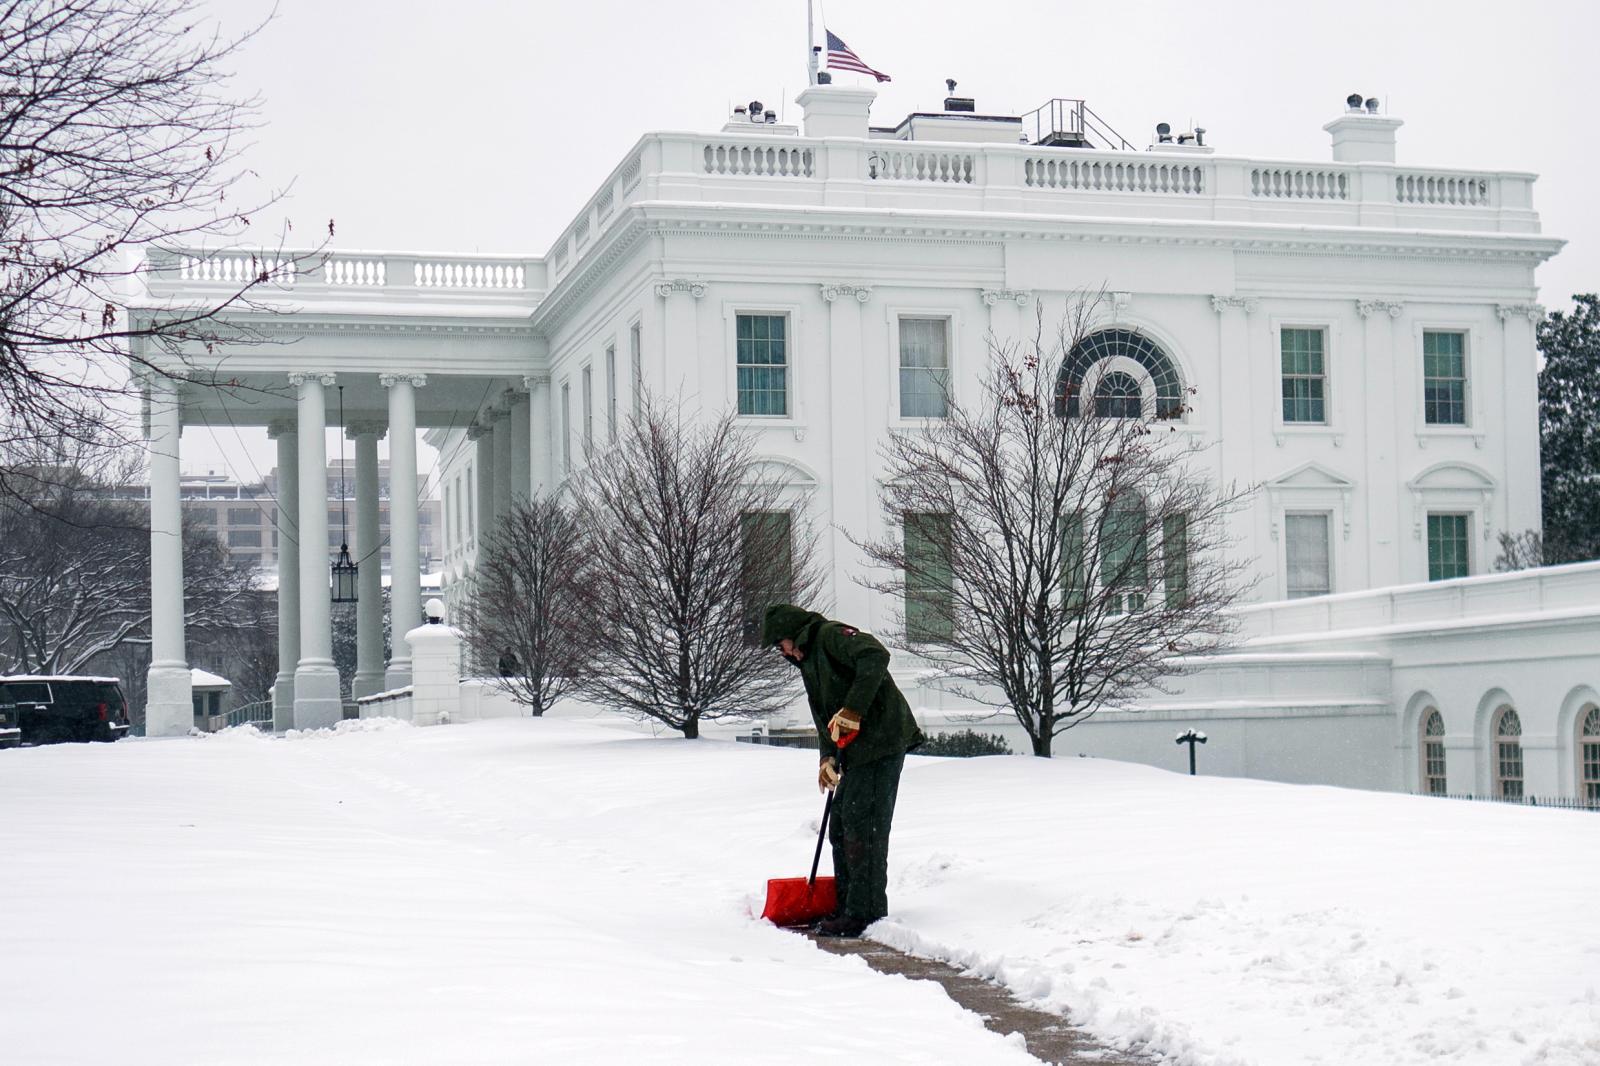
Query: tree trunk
x=691 y=726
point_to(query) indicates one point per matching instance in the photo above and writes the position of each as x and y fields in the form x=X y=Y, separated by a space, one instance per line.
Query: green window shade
x=924 y=367
x=1074 y=563
x=1125 y=568
x=1304 y=377
x=1448 y=547
x=762 y=364
x=1444 y=378
x=930 y=581
x=767 y=546
x=1175 y=558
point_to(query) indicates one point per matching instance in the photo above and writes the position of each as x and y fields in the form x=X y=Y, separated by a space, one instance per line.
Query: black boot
x=843 y=927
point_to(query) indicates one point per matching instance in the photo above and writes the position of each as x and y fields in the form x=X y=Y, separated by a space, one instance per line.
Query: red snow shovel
x=803 y=900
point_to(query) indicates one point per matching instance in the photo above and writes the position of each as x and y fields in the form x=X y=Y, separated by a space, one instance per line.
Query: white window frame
x=1423 y=740
x=1496 y=777
x=1580 y=739
x=1473 y=521
x=636 y=363
x=1332 y=337
x=1326 y=491
x=566 y=426
x=731 y=310
x=951 y=327
x=1309 y=512
x=586 y=388
x=1427 y=432
x=611 y=391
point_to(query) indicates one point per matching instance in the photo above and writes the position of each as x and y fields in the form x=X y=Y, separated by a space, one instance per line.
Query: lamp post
x=1191 y=737
x=344 y=569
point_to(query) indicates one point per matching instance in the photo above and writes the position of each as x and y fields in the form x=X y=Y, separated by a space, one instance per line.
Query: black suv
x=49 y=710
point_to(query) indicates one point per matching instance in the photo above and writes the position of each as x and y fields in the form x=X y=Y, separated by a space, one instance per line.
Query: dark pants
x=863 y=808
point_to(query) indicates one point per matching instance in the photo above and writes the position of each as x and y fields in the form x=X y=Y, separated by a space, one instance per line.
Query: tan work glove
x=846 y=721
x=827 y=775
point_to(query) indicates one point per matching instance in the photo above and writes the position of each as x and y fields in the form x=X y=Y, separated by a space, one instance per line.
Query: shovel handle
x=827 y=809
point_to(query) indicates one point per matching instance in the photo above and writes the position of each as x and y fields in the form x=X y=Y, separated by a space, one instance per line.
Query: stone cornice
x=289 y=323
x=415 y=379
x=300 y=377
x=696 y=289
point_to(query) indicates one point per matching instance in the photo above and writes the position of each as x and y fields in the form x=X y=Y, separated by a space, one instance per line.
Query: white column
x=288 y=525
x=521 y=486
x=405 y=579
x=1383 y=414
x=540 y=435
x=169 y=703
x=852 y=502
x=484 y=435
x=317 y=702
x=1230 y=409
x=681 y=342
x=503 y=449
x=369 y=561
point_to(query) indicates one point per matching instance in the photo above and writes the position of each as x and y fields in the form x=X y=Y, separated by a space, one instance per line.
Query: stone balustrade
x=511 y=278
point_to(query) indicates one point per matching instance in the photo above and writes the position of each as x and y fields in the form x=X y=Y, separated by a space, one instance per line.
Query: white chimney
x=1361 y=135
x=835 y=111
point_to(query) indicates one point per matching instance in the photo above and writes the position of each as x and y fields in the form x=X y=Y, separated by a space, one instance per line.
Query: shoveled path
x=1050 y=1039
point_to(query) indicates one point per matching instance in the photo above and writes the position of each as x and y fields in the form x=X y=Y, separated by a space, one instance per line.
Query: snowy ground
x=570 y=891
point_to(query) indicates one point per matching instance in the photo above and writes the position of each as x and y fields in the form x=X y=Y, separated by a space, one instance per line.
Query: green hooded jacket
x=844 y=667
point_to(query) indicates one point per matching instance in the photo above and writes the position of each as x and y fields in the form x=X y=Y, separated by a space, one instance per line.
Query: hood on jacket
x=786 y=620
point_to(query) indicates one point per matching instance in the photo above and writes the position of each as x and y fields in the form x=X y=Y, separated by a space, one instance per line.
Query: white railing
x=1132 y=174
x=498 y=277
x=758 y=160
x=1299 y=183
x=916 y=164
x=1452 y=190
x=1575 y=587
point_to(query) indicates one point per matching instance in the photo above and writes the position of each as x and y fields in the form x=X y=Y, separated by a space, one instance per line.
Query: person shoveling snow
x=855 y=704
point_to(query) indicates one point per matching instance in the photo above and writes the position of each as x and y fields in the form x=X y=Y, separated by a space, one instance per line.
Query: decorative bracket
x=1535 y=312
x=832 y=292
x=365 y=426
x=1247 y=304
x=534 y=381
x=388 y=381
x=300 y=377
x=1367 y=308
x=696 y=289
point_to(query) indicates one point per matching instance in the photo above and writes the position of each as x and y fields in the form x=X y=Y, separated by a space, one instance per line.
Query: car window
x=109 y=694
x=27 y=691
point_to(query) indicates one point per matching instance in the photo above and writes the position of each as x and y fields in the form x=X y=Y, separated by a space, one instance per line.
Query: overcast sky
x=478 y=126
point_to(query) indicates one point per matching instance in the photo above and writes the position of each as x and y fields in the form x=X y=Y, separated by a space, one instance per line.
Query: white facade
x=1402 y=299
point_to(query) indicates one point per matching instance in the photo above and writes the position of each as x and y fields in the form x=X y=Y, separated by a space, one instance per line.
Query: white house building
x=1355 y=336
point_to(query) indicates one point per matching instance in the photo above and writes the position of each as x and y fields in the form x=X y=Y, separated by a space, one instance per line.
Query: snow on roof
x=60 y=677
x=199 y=678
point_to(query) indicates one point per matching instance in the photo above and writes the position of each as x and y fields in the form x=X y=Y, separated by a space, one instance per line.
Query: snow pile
x=570 y=891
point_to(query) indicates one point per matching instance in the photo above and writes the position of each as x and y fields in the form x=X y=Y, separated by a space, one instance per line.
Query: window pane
x=761 y=354
x=1304 y=380
x=1447 y=547
x=1125 y=565
x=1444 y=378
x=1074 y=564
x=929 y=579
x=768 y=565
x=1175 y=558
x=1306 y=554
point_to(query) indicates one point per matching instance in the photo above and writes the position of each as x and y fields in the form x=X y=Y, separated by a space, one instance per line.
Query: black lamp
x=344 y=568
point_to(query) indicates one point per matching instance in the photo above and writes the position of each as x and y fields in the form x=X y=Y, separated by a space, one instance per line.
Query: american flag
x=841 y=58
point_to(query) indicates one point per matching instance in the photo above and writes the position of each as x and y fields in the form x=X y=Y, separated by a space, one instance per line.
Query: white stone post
x=852 y=504
x=484 y=436
x=169 y=703
x=405 y=580
x=680 y=343
x=1234 y=407
x=1384 y=415
x=521 y=483
x=288 y=524
x=504 y=447
x=541 y=453
x=369 y=562
x=317 y=702
x=436 y=669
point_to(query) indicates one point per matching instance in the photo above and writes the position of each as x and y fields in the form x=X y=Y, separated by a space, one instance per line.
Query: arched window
x=1433 y=777
x=1111 y=344
x=1508 y=755
x=1117 y=396
x=1125 y=553
x=1589 y=754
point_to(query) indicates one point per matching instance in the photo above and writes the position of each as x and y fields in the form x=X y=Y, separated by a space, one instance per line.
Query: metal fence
x=1566 y=803
x=258 y=714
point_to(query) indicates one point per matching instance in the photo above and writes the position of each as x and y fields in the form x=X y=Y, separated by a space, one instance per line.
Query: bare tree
x=1521 y=551
x=117 y=138
x=528 y=615
x=691 y=544
x=1054 y=556
x=75 y=564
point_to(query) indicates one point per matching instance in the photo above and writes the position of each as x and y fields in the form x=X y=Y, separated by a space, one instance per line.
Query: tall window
x=1444 y=378
x=1433 y=776
x=1125 y=569
x=1306 y=557
x=762 y=364
x=636 y=357
x=1074 y=562
x=459 y=535
x=930 y=582
x=472 y=504
x=611 y=393
x=766 y=539
x=449 y=530
x=1175 y=558
x=1117 y=396
x=1448 y=547
x=588 y=409
x=1304 y=375
x=1589 y=754
x=566 y=426
x=924 y=367
x=1508 y=754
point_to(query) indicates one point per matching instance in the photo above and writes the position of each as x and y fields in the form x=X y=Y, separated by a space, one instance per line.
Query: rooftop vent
x=957 y=103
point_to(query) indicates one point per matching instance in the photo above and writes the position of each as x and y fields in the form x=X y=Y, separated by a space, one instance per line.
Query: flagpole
x=811 y=55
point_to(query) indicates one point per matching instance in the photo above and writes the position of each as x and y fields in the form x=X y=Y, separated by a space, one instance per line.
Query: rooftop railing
x=509 y=279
